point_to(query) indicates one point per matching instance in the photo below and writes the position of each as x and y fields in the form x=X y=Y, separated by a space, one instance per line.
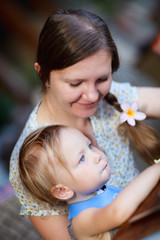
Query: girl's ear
x=37 y=67
x=62 y=192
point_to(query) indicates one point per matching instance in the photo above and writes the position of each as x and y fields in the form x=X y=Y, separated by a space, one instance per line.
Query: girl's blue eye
x=82 y=159
x=90 y=146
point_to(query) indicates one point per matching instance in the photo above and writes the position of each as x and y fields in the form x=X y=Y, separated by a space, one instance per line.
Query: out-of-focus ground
x=135 y=26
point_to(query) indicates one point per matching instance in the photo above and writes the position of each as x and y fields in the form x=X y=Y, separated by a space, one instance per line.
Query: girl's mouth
x=106 y=165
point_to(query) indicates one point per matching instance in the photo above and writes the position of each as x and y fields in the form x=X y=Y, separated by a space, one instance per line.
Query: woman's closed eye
x=75 y=84
x=102 y=79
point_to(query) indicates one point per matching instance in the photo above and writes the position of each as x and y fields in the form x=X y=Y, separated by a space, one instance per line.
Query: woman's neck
x=50 y=113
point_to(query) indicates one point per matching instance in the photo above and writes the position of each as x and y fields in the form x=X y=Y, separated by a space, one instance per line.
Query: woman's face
x=78 y=89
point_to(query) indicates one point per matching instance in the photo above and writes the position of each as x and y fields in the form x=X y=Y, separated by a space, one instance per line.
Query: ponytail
x=143 y=137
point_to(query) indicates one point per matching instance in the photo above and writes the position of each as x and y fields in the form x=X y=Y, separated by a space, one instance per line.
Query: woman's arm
x=122 y=207
x=149 y=98
x=51 y=227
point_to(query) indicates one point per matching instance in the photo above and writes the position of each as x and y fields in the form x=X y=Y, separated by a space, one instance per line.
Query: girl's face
x=78 y=89
x=87 y=166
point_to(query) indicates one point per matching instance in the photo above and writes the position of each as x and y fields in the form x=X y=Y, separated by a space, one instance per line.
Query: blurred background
x=135 y=27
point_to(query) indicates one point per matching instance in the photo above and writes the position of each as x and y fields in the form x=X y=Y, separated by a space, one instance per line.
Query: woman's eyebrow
x=66 y=78
x=105 y=75
x=74 y=80
x=84 y=79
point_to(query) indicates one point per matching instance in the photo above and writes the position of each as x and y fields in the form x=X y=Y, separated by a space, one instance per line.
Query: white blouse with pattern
x=104 y=123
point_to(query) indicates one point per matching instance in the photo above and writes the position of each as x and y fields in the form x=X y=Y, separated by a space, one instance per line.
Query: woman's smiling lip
x=87 y=105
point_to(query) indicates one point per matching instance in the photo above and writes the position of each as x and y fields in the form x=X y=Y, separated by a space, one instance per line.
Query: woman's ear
x=62 y=192
x=37 y=67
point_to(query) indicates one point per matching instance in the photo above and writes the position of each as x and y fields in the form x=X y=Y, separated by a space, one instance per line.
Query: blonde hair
x=143 y=137
x=38 y=156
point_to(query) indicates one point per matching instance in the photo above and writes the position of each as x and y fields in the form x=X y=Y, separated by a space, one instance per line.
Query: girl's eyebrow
x=80 y=151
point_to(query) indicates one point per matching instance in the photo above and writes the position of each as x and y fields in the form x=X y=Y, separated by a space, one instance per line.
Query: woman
x=75 y=60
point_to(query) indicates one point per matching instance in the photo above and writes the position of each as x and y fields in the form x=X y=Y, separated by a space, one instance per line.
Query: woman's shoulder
x=30 y=125
x=124 y=91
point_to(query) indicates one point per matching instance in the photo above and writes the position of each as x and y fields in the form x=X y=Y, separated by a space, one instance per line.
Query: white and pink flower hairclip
x=130 y=113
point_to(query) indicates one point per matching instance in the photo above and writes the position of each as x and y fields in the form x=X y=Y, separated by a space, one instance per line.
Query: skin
x=85 y=160
x=73 y=105
x=52 y=227
x=149 y=101
x=75 y=92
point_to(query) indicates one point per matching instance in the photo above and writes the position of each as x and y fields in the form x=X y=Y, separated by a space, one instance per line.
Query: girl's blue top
x=102 y=199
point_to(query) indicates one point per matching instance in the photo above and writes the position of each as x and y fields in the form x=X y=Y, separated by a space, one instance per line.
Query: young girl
x=59 y=164
x=76 y=57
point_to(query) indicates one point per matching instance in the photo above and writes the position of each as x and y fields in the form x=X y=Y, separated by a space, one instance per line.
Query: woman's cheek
x=73 y=94
x=106 y=87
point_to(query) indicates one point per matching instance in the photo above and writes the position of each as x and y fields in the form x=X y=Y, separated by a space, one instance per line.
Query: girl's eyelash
x=82 y=159
x=90 y=146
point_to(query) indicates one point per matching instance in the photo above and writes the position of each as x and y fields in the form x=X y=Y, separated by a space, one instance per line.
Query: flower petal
x=123 y=117
x=134 y=106
x=139 y=116
x=131 y=121
x=125 y=106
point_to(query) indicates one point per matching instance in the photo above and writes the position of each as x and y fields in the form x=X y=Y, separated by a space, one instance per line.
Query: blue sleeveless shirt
x=101 y=200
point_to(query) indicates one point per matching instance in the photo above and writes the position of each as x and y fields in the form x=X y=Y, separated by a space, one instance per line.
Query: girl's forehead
x=71 y=137
x=71 y=143
x=69 y=132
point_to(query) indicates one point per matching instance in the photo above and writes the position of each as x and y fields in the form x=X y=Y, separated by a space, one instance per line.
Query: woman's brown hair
x=69 y=36
x=143 y=137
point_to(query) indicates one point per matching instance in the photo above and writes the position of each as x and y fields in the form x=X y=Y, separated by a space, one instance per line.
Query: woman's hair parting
x=69 y=36
x=143 y=137
x=38 y=156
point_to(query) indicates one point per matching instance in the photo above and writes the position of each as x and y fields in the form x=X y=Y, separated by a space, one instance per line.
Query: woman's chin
x=86 y=113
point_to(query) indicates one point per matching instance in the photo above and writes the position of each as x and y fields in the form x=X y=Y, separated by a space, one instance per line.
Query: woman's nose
x=91 y=94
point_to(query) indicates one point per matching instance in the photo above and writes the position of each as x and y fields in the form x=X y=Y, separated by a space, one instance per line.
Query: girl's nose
x=97 y=158
x=90 y=94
